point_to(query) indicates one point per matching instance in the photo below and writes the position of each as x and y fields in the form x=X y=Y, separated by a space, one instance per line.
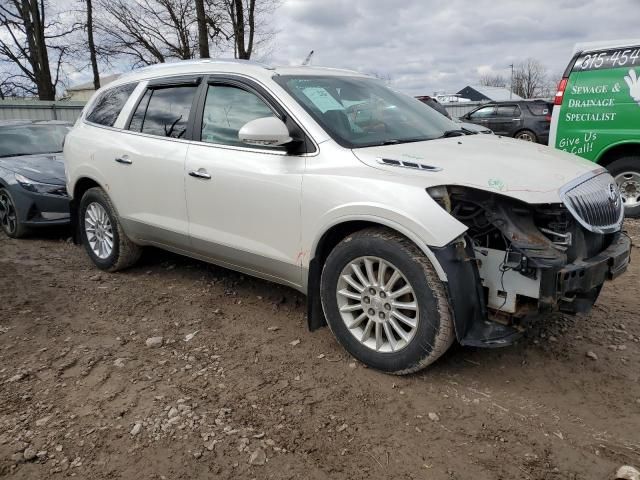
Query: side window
x=226 y=110
x=484 y=112
x=508 y=111
x=164 y=111
x=108 y=106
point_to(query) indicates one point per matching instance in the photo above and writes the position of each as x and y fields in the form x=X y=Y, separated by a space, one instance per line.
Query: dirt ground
x=240 y=389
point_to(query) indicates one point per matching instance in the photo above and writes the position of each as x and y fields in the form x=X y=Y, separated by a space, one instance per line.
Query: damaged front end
x=518 y=261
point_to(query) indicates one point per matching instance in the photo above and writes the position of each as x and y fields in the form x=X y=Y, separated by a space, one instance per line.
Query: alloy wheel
x=525 y=136
x=8 y=217
x=629 y=185
x=377 y=304
x=99 y=230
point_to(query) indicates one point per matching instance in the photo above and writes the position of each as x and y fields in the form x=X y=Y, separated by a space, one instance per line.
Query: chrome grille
x=594 y=201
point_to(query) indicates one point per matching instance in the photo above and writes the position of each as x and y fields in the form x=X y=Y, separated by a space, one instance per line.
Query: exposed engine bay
x=527 y=259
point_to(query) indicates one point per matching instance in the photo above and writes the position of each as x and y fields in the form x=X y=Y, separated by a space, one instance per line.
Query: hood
x=527 y=171
x=42 y=167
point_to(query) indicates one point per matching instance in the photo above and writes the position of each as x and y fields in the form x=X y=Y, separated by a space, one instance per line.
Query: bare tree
x=242 y=16
x=530 y=79
x=16 y=85
x=93 y=56
x=149 y=31
x=29 y=37
x=493 y=80
x=203 y=34
x=243 y=23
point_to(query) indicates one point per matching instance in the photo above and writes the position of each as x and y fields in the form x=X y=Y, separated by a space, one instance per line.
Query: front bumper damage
x=570 y=288
x=518 y=262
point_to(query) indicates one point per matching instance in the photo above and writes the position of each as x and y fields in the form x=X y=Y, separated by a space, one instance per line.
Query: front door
x=243 y=203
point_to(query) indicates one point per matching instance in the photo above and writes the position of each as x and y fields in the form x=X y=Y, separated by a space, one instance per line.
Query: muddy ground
x=240 y=389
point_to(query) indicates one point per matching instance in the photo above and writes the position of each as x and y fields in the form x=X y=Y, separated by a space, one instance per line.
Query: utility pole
x=511 y=85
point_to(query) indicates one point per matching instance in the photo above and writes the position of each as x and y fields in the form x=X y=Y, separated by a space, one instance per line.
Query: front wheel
x=102 y=234
x=385 y=303
x=626 y=172
x=9 y=218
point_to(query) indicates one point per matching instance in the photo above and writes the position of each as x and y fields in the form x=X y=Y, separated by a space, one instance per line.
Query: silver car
x=405 y=231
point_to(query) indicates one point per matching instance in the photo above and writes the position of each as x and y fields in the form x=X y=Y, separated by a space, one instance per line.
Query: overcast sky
x=428 y=45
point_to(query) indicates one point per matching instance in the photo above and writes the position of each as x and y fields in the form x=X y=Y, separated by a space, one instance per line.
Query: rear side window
x=540 y=108
x=107 y=107
x=508 y=111
x=164 y=111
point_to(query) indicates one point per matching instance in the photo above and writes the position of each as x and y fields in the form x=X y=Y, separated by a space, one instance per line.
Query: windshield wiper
x=396 y=141
x=459 y=132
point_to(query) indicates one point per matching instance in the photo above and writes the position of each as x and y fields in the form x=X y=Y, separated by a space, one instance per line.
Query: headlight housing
x=39 y=187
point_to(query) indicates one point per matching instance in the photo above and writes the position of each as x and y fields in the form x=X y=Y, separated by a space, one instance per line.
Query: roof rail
x=202 y=61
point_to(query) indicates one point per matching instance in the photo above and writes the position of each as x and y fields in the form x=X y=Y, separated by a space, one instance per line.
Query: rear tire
x=527 y=136
x=102 y=234
x=626 y=172
x=9 y=218
x=395 y=333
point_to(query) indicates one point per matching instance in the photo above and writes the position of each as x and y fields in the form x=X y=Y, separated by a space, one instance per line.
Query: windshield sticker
x=322 y=99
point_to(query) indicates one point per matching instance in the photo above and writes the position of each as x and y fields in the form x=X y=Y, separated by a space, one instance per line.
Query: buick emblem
x=614 y=194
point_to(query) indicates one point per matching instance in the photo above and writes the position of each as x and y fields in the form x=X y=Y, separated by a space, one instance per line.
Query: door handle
x=200 y=173
x=124 y=160
x=516 y=119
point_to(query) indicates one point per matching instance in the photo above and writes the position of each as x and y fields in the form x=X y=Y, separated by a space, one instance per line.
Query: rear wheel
x=526 y=135
x=626 y=171
x=102 y=234
x=385 y=303
x=9 y=220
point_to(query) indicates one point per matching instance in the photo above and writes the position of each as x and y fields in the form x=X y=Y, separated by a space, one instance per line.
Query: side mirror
x=265 y=132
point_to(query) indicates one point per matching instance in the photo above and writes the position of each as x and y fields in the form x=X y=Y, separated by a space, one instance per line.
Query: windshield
x=30 y=139
x=362 y=112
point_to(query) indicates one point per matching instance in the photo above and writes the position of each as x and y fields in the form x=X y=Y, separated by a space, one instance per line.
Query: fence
x=40 y=110
x=70 y=111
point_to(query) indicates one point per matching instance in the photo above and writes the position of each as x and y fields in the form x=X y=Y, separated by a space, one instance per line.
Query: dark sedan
x=524 y=119
x=33 y=189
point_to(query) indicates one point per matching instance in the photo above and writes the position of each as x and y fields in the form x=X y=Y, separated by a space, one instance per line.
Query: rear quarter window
x=107 y=107
x=540 y=108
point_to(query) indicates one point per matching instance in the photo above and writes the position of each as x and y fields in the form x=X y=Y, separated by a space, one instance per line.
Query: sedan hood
x=527 y=171
x=43 y=167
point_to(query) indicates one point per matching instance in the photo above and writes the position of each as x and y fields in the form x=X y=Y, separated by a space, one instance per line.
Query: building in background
x=479 y=93
x=83 y=92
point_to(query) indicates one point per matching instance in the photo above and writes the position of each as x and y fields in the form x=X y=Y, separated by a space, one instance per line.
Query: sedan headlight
x=38 y=187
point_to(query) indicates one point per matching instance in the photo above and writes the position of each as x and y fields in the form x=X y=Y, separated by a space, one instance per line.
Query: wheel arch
x=334 y=234
x=618 y=150
x=79 y=188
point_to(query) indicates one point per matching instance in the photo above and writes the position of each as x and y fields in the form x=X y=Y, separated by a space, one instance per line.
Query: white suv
x=404 y=231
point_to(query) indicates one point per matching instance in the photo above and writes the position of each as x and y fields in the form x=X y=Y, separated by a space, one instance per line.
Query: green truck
x=597 y=113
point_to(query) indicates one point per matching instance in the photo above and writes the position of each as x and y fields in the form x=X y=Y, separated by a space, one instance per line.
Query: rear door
x=507 y=119
x=243 y=202
x=150 y=155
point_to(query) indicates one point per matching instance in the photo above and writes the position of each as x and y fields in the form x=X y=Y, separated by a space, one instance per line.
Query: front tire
x=9 y=218
x=102 y=234
x=626 y=172
x=384 y=302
